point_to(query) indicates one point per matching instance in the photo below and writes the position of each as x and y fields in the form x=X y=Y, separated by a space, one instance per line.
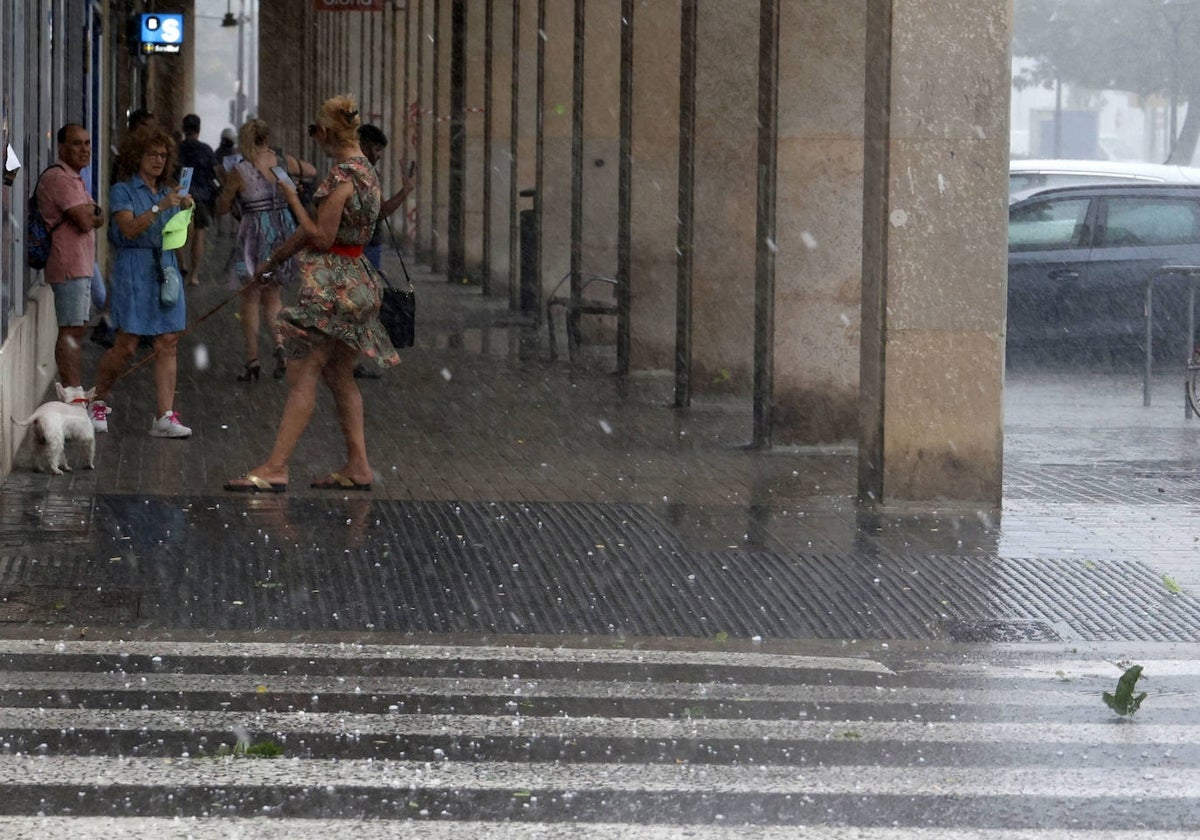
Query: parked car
x=1079 y=259
x=1025 y=176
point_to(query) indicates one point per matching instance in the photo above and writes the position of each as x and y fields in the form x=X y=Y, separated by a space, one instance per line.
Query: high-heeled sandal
x=280 y=364
x=252 y=370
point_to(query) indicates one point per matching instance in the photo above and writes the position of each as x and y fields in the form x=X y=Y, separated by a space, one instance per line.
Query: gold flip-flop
x=337 y=481
x=255 y=484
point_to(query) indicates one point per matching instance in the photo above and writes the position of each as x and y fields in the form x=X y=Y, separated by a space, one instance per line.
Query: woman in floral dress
x=335 y=319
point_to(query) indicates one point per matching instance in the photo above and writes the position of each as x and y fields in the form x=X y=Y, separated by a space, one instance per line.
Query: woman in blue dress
x=141 y=207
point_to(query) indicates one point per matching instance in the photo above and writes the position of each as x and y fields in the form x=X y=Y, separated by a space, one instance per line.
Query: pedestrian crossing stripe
x=264 y=828
x=446 y=653
x=632 y=778
x=536 y=688
x=494 y=726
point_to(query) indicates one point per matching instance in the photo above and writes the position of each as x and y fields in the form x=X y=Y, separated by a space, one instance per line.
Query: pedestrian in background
x=227 y=156
x=373 y=142
x=336 y=315
x=141 y=207
x=266 y=224
x=68 y=208
x=197 y=154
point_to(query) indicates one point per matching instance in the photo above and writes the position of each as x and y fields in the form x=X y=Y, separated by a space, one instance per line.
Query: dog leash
x=185 y=331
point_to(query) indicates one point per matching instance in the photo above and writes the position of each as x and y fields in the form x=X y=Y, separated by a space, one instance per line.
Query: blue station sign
x=161 y=33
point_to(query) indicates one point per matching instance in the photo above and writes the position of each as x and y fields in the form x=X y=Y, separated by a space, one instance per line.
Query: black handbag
x=398 y=309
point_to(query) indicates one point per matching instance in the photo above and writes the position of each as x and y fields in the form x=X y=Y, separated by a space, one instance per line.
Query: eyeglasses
x=161 y=155
x=313 y=128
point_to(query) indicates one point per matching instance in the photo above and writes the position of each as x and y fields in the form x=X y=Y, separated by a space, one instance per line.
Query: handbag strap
x=396 y=247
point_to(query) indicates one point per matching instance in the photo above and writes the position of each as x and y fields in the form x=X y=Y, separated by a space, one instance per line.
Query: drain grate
x=67 y=605
x=1000 y=631
x=572 y=568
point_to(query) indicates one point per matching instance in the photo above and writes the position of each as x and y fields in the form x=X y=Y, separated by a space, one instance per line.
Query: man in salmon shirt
x=70 y=211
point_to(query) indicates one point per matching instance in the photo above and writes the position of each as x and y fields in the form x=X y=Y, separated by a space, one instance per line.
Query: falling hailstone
x=606 y=427
x=446 y=374
x=200 y=356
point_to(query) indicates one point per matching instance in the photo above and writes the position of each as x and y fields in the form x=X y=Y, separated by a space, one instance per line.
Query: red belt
x=350 y=252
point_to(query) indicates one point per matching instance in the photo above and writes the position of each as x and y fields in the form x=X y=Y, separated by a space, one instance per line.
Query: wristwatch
x=154 y=208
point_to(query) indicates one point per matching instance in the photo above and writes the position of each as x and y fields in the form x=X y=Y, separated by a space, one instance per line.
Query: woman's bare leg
x=113 y=362
x=339 y=377
x=303 y=375
x=165 y=371
x=272 y=302
x=250 y=322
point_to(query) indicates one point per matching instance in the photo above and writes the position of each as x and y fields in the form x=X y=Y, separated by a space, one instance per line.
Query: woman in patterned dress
x=266 y=224
x=335 y=318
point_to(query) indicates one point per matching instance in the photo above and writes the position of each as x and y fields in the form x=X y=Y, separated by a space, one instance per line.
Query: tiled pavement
x=624 y=514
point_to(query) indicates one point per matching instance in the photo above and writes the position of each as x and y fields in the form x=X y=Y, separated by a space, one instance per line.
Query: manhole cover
x=1000 y=630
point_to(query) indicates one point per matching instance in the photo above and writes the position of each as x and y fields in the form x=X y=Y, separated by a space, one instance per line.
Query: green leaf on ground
x=1171 y=585
x=1124 y=701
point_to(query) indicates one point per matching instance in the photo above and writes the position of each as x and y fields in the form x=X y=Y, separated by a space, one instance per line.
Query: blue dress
x=133 y=299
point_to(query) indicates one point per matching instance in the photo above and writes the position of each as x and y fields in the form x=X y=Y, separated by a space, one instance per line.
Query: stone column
x=934 y=250
x=655 y=204
x=556 y=140
x=476 y=47
x=819 y=210
x=725 y=198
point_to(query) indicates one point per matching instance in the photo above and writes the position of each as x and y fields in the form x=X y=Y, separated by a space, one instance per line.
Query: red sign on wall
x=348 y=5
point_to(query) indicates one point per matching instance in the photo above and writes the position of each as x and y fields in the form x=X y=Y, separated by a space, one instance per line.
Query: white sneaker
x=98 y=410
x=168 y=426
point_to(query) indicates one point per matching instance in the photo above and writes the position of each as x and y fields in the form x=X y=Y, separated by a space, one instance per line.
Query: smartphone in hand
x=412 y=169
x=283 y=176
x=185 y=180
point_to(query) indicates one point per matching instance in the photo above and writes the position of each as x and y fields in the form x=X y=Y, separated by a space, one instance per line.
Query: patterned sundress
x=266 y=224
x=339 y=296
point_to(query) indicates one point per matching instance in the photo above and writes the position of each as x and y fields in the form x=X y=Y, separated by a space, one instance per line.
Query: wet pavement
x=516 y=495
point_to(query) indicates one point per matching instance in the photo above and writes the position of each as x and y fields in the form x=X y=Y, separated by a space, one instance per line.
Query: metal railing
x=1192 y=273
x=576 y=305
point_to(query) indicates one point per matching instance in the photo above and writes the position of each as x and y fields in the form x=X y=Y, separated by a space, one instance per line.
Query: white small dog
x=55 y=423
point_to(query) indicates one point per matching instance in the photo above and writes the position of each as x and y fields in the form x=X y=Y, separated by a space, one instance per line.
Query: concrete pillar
x=556 y=143
x=934 y=250
x=725 y=198
x=601 y=143
x=473 y=122
x=279 y=105
x=654 y=188
x=501 y=259
x=426 y=116
x=441 y=27
x=171 y=78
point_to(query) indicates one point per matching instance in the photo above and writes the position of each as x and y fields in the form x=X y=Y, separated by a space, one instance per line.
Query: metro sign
x=161 y=33
x=348 y=5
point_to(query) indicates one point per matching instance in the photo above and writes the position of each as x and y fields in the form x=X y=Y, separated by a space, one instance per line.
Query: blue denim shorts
x=72 y=301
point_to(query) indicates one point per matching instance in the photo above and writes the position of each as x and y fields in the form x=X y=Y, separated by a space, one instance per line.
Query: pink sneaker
x=168 y=426
x=98 y=410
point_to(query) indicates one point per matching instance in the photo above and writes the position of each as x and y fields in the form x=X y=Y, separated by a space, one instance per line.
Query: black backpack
x=38 y=234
